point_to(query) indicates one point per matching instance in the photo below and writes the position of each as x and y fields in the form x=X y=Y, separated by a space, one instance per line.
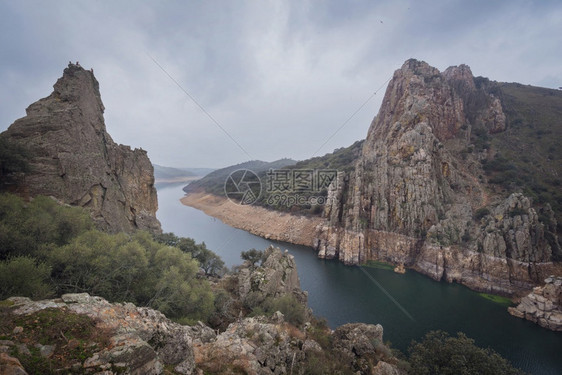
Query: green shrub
x=439 y=353
x=293 y=310
x=23 y=276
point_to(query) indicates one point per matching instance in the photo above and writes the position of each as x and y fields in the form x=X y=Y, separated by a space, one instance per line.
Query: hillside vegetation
x=342 y=159
x=528 y=154
x=213 y=183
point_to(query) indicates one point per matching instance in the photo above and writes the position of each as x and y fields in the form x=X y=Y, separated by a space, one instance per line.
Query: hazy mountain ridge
x=214 y=182
x=165 y=173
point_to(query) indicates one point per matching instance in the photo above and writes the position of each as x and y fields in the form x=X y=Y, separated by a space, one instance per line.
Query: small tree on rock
x=253 y=256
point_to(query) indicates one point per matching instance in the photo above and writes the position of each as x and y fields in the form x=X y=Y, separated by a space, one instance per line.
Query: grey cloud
x=280 y=77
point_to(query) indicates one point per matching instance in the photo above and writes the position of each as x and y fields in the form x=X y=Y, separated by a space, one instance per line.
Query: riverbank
x=480 y=272
x=271 y=225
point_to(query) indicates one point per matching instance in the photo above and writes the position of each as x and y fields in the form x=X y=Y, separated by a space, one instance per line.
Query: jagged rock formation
x=74 y=159
x=277 y=277
x=543 y=305
x=413 y=199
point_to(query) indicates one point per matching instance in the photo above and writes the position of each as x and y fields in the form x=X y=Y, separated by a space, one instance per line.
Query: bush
x=134 y=269
x=47 y=247
x=293 y=310
x=24 y=228
x=23 y=276
x=210 y=262
x=439 y=353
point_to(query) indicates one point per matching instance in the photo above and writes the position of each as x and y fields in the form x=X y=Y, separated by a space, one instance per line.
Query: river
x=407 y=306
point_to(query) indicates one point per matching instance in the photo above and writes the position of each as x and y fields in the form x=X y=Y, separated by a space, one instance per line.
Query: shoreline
x=441 y=264
x=271 y=225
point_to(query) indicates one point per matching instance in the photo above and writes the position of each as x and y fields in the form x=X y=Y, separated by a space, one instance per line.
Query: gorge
x=429 y=190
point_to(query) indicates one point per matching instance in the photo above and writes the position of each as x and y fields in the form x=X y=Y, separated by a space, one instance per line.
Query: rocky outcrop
x=276 y=277
x=141 y=340
x=543 y=305
x=414 y=197
x=361 y=345
x=254 y=346
x=126 y=339
x=74 y=159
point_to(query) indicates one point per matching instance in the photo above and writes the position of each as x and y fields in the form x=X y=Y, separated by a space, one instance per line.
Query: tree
x=209 y=261
x=439 y=353
x=253 y=256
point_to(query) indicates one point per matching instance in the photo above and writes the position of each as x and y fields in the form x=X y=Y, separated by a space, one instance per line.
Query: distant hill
x=168 y=174
x=341 y=159
x=199 y=171
x=214 y=182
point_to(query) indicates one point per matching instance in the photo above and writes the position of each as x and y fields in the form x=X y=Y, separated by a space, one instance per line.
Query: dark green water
x=343 y=294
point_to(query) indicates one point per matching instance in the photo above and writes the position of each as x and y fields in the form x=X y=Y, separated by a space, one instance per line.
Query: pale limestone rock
x=143 y=339
x=10 y=365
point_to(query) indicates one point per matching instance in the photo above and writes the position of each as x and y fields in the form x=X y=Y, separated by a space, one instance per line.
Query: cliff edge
x=73 y=159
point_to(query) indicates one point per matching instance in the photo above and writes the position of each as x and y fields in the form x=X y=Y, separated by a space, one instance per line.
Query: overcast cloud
x=280 y=76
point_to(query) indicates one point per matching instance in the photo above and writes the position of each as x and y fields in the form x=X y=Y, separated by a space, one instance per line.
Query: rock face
x=543 y=305
x=412 y=199
x=74 y=159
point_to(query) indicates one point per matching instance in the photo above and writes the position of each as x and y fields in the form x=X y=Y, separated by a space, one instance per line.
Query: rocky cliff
x=417 y=194
x=74 y=159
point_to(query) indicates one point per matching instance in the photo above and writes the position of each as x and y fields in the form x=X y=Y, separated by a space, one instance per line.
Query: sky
x=216 y=83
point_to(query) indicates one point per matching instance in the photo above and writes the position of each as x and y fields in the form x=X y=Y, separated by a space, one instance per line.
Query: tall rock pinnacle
x=415 y=198
x=74 y=159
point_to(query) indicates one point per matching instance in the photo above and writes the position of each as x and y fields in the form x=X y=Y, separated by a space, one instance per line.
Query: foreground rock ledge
x=143 y=341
